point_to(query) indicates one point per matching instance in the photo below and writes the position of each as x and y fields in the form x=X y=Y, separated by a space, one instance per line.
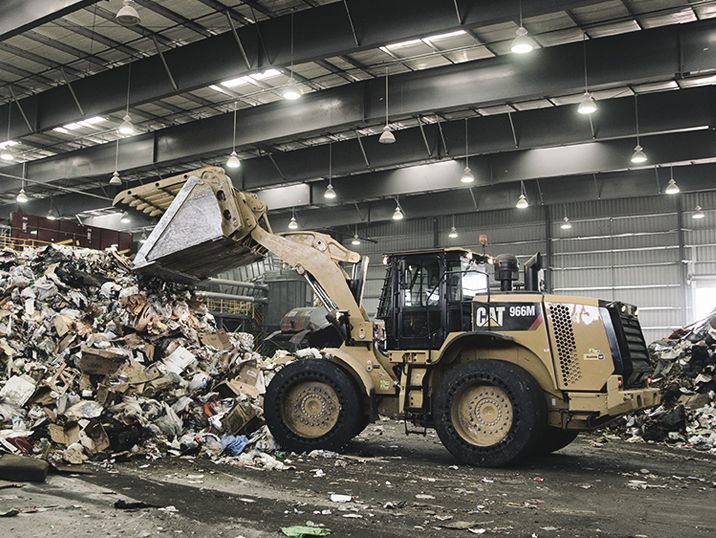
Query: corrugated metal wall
x=630 y=249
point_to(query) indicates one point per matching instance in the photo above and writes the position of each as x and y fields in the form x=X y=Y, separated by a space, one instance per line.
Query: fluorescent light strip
x=438 y=37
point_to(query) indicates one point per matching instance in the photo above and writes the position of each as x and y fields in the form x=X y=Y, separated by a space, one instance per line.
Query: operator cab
x=428 y=294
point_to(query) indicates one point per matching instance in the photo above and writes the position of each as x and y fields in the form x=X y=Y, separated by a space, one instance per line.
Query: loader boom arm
x=206 y=227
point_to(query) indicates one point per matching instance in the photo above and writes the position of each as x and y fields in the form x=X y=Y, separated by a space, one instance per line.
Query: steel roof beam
x=18 y=16
x=574 y=188
x=659 y=112
x=320 y=33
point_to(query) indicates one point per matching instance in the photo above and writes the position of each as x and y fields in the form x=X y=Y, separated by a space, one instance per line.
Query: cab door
x=421 y=303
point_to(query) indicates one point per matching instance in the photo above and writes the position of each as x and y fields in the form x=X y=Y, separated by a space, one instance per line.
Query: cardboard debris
x=65 y=435
x=98 y=362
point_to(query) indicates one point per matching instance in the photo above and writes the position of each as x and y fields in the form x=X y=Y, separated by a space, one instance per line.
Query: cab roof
x=459 y=250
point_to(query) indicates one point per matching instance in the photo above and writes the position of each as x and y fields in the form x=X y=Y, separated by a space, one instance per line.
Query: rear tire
x=312 y=404
x=555 y=439
x=489 y=412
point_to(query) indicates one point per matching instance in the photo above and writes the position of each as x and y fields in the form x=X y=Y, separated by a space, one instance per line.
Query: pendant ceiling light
x=453 y=231
x=115 y=179
x=233 y=161
x=587 y=105
x=699 y=214
x=566 y=225
x=398 y=213
x=125 y=218
x=387 y=136
x=522 y=202
x=638 y=156
x=522 y=43
x=356 y=240
x=291 y=92
x=126 y=128
x=671 y=187
x=52 y=214
x=128 y=14
x=5 y=153
x=143 y=238
x=22 y=197
x=330 y=193
x=293 y=223
x=467 y=175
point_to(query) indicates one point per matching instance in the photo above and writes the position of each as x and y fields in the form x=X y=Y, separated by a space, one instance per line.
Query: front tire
x=312 y=404
x=489 y=412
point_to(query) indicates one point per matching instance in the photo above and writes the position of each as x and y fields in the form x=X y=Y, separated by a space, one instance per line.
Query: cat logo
x=497 y=315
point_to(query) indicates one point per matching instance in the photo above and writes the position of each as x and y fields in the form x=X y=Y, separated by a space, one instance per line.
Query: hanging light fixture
x=671 y=186
x=5 y=153
x=291 y=92
x=453 y=231
x=126 y=128
x=143 y=238
x=330 y=193
x=233 y=161
x=587 y=105
x=125 y=218
x=128 y=14
x=699 y=214
x=387 y=136
x=356 y=240
x=522 y=202
x=638 y=156
x=467 y=175
x=522 y=43
x=115 y=179
x=22 y=197
x=293 y=223
x=566 y=225
x=52 y=213
x=398 y=213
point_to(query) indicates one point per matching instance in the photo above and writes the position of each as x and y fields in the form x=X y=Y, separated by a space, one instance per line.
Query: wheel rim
x=482 y=414
x=311 y=409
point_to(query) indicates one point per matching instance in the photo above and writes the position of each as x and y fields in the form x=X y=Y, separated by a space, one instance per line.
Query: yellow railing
x=231 y=306
x=16 y=243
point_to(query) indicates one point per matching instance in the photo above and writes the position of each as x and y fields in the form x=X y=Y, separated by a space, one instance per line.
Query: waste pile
x=97 y=362
x=685 y=370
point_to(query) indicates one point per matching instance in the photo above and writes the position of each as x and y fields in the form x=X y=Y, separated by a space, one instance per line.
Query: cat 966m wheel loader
x=499 y=374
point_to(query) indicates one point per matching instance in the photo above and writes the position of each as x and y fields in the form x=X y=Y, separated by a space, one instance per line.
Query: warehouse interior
x=579 y=129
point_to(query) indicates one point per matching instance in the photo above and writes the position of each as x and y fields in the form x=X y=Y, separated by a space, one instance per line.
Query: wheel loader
x=500 y=374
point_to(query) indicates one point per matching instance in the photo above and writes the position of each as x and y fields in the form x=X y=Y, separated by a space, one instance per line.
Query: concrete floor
x=584 y=490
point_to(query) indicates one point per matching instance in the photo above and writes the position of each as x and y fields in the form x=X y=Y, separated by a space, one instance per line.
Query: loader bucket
x=204 y=229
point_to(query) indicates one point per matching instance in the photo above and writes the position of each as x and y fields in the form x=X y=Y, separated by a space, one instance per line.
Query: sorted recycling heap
x=96 y=361
x=686 y=370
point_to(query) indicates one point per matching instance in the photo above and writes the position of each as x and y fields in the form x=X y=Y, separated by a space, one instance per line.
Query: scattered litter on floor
x=299 y=531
